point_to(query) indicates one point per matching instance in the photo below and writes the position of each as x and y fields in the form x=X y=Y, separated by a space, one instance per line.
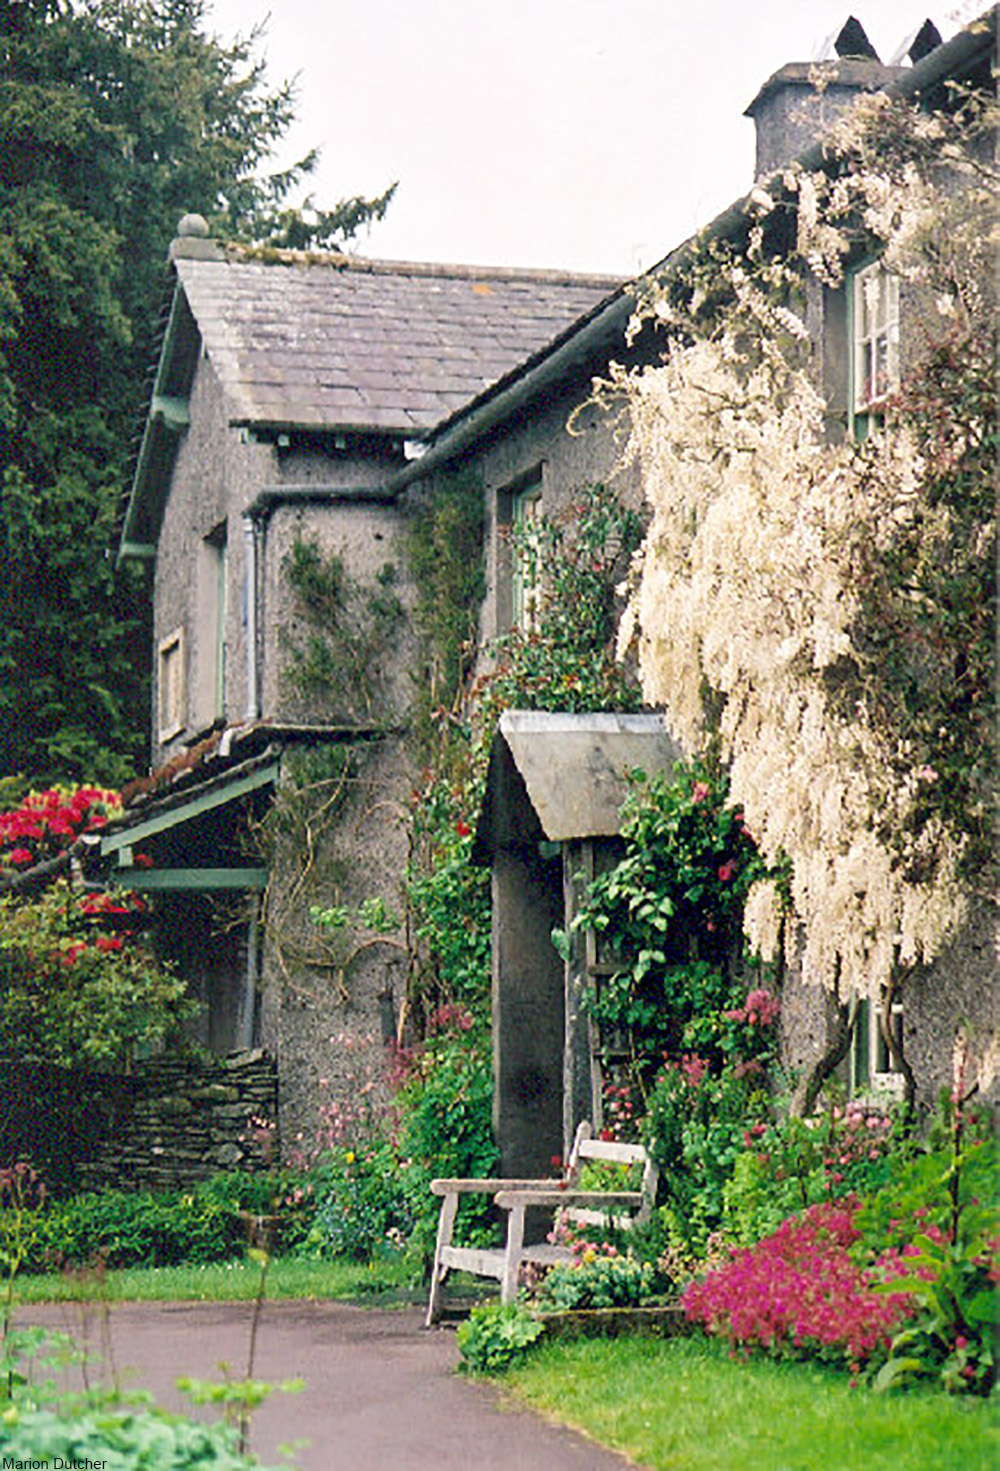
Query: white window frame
x=526 y=511
x=170 y=685
x=871 y=1068
x=874 y=337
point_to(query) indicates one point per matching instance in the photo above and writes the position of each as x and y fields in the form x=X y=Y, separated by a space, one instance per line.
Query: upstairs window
x=526 y=574
x=170 y=685
x=874 y=310
x=519 y=570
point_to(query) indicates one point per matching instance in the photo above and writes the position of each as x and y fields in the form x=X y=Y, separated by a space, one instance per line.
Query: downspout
x=253 y=552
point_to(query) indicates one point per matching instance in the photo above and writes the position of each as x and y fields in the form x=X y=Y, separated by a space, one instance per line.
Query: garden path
x=381 y=1393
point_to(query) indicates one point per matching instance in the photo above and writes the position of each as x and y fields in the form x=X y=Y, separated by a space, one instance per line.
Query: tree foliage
x=78 y=984
x=115 y=119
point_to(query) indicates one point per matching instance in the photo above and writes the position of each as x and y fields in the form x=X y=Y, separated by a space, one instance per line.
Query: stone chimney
x=801 y=101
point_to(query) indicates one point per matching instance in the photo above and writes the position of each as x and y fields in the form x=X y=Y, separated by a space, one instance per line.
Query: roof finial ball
x=192 y=227
x=193 y=240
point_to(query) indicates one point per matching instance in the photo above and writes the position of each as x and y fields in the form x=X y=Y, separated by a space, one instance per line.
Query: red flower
x=727 y=870
x=108 y=943
x=462 y=828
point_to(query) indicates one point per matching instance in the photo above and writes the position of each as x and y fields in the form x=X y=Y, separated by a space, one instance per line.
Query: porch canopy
x=550 y=818
x=558 y=777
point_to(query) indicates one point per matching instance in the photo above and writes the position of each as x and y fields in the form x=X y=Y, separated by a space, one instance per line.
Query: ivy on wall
x=339 y=665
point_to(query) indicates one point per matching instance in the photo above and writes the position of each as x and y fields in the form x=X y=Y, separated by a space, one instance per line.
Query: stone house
x=315 y=403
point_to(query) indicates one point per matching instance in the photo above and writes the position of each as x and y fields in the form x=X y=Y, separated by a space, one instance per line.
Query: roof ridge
x=338 y=260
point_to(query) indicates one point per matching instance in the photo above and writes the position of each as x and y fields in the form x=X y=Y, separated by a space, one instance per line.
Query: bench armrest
x=607 y=1200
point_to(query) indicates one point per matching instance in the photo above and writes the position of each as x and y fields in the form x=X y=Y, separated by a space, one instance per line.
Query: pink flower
x=699 y=792
x=727 y=870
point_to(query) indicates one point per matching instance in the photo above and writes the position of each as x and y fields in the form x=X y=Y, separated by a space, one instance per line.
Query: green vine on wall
x=669 y=921
x=340 y=664
x=565 y=662
x=444 y=551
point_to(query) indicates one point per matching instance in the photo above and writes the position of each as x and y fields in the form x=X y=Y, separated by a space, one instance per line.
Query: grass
x=683 y=1405
x=287 y=1277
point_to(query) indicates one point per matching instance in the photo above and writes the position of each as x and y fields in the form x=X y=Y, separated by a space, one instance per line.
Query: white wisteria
x=750 y=582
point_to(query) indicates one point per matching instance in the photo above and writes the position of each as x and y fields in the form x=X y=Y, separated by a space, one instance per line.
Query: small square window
x=170 y=685
x=875 y=337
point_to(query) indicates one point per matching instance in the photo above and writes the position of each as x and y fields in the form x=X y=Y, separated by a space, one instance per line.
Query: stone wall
x=170 y=1123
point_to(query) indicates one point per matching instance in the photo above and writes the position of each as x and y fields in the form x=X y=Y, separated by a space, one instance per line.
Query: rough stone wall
x=331 y=1000
x=189 y=1119
x=169 y=1123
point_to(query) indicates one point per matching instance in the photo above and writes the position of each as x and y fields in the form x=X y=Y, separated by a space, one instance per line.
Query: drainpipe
x=252 y=551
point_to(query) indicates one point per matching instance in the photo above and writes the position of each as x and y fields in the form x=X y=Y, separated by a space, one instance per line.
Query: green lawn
x=684 y=1405
x=226 y=1282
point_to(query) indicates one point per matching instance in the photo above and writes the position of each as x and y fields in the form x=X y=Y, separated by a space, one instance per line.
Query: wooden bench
x=621 y=1209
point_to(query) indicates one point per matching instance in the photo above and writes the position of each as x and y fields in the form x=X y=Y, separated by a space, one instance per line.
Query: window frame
x=870 y=1063
x=514 y=598
x=866 y=408
x=171 y=685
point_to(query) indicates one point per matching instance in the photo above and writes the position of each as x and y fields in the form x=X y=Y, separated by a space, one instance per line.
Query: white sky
x=588 y=134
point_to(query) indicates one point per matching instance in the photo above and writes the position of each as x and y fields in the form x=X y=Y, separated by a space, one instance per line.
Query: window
x=519 y=510
x=871 y=1062
x=526 y=574
x=170 y=685
x=873 y=303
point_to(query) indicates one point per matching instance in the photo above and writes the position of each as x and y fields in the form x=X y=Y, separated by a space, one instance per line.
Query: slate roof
x=356 y=344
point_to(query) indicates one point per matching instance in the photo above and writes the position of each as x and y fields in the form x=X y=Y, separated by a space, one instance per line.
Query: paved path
x=381 y=1392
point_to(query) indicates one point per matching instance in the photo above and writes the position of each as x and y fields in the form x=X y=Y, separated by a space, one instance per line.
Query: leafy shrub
x=597 y=1280
x=124 y=1228
x=696 y=1130
x=494 y=1335
x=153 y=1438
x=143 y=1228
x=72 y=994
x=445 y=1110
x=798 y=1292
x=940 y=1220
x=791 y=1163
x=363 y=1205
x=670 y=913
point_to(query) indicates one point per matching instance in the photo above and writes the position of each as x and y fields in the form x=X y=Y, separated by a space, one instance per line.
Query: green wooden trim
x=189 y=880
x=197 y=806
x=141 y=550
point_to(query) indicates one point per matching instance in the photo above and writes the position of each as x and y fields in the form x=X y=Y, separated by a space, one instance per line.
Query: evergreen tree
x=115 y=119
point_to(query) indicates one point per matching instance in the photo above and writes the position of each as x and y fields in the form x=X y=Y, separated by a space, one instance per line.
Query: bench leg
x=446 y=1223
x=512 y=1261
